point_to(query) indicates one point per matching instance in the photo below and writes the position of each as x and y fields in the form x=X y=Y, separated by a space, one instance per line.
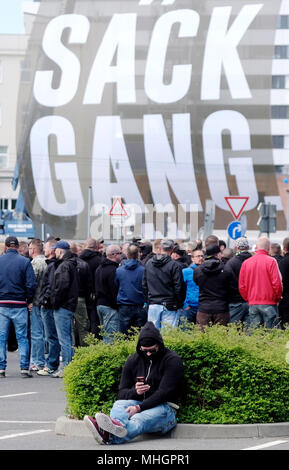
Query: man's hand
x=132 y=410
x=30 y=306
x=141 y=388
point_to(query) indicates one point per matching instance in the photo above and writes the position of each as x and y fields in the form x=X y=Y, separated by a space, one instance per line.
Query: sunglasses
x=151 y=350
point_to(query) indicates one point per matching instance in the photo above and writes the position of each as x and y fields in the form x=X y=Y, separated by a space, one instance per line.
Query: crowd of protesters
x=54 y=293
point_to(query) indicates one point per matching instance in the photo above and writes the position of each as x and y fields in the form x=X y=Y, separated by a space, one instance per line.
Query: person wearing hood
x=214 y=284
x=164 y=288
x=93 y=257
x=150 y=385
x=238 y=307
x=130 y=299
x=106 y=292
x=64 y=299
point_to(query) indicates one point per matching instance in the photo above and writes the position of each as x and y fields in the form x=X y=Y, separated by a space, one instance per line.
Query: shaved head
x=263 y=243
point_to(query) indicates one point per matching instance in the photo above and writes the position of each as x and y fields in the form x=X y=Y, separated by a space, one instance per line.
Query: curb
x=77 y=428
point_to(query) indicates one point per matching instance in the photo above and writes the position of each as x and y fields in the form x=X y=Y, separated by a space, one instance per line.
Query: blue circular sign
x=235 y=230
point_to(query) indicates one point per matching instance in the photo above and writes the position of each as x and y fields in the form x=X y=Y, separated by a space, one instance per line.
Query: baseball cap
x=61 y=244
x=11 y=241
x=168 y=244
x=212 y=250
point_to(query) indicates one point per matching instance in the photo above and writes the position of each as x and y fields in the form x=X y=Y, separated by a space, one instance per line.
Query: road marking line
x=18 y=394
x=11 y=436
x=268 y=444
x=26 y=422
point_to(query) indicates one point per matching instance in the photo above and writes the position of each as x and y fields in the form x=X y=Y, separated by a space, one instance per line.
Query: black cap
x=212 y=250
x=11 y=241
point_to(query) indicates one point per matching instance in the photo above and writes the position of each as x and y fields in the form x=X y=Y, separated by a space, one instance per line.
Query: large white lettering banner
x=155 y=101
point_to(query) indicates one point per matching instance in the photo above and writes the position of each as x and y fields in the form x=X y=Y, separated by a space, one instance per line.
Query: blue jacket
x=128 y=279
x=192 y=296
x=17 y=279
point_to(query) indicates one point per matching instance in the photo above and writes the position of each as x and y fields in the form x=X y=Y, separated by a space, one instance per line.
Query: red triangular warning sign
x=117 y=208
x=236 y=205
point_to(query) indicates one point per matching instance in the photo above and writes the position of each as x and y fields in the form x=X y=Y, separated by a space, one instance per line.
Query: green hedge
x=230 y=376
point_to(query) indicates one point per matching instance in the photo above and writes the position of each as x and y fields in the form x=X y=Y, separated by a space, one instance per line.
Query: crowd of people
x=55 y=293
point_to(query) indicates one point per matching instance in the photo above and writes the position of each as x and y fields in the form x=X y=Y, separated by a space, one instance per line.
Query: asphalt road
x=29 y=409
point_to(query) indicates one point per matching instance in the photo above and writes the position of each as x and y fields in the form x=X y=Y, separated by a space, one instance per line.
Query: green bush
x=230 y=376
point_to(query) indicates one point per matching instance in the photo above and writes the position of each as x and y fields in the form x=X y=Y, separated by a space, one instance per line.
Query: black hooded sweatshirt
x=163 y=282
x=163 y=372
x=65 y=284
x=214 y=286
x=233 y=267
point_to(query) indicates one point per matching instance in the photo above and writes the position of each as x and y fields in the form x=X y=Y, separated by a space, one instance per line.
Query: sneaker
x=2 y=374
x=110 y=425
x=101 y=436
x=58 y=374
x=46 y=371
x=33 y=368
x=26 y=374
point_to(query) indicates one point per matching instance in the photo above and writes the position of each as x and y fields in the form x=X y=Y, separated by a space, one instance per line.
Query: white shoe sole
x=93 y=430
x=105 y=423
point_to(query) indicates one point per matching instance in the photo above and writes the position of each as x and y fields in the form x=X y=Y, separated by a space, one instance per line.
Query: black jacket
x=214 y=285
x=105 y=288
x=163 y=372
x=85 y=279
x=233 y=267
x=163 y=282
x=93 y=259
x=45 y=291
x=284 y=269
x=65 y=284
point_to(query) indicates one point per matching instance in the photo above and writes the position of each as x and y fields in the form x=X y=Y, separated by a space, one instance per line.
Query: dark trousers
x=207 y=319
x=131 y=315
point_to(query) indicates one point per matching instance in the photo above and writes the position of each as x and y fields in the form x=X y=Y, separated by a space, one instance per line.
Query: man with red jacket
x=260 y=284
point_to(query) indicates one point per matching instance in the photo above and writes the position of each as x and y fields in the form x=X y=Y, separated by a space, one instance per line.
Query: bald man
x=106 y=292
x=260 y=284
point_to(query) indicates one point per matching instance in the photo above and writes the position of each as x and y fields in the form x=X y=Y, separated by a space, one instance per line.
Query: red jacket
x=260 y=281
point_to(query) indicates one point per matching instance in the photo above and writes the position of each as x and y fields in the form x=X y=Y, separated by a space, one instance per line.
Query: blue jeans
x=37 y=338
x=51 y=338
x=19 y=317
x=188 y=314
x=161 y=316
x=239 y=312
x=265 y=315
x=109 y=319
x=131 y=315
x=63 y=323
x=160 y=419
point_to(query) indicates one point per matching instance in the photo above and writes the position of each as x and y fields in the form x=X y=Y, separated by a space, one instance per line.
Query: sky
x=11 y=20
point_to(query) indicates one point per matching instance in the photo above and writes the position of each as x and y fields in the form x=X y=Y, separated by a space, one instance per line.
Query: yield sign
x=236 y=205
x=117 y=208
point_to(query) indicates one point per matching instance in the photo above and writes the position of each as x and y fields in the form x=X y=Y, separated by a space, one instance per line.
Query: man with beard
x=64 y=299
x=150 y=385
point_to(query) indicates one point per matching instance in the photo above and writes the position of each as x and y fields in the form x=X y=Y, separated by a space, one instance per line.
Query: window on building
x=278 y=81
x=279 y=112
x=3 y=156
x=283 y=22
x=24 y=71
x=277 y=141
x=281 y=52
x=1 y=71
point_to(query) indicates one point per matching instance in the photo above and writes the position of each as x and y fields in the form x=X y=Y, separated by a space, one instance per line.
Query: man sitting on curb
x=150 y=385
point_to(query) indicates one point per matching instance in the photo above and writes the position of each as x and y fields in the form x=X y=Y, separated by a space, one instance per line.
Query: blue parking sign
x=235 y=230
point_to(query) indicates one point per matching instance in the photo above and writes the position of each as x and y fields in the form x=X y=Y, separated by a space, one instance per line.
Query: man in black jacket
x=106 y=292
x=283 y=307
x=150 y=385
x=214 y=285
x=238 y=307
x=93 y=258
x=64 y=298
x=164 y=288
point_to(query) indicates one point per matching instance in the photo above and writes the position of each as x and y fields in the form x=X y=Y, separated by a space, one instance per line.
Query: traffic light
x=267 y=219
